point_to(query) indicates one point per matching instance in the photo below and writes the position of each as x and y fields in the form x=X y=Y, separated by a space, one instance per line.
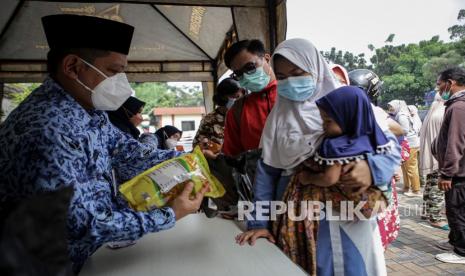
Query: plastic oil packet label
x=164 y=176
x=155 y=187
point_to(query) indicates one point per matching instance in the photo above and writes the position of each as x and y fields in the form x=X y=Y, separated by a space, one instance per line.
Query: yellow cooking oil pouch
x=158 y=185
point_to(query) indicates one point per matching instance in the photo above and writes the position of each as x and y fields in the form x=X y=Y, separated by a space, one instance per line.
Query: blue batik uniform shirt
x=50 y=141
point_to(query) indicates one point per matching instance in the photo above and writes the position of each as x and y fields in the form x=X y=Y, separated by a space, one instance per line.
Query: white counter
x=195 y=246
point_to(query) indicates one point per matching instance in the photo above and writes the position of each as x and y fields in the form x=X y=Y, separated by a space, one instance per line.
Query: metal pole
x=272 y=24
x=2 y=91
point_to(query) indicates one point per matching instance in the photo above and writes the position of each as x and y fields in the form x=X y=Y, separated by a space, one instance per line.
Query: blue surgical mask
x=230 y=103
x=297 y=89
x=256 y=81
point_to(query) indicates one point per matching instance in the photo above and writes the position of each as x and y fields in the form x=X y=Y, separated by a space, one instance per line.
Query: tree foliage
x=155 y=94
x=22 y=91
x=408 y=70
x=390 y=38
x=458 y=31
x=160 y=94
x=347 y=59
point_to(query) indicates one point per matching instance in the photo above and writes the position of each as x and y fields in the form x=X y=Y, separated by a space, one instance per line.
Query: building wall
x=166 y=120
x=178 y=119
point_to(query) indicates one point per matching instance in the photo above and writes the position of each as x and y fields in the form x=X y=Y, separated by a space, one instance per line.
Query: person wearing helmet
x=368 y=81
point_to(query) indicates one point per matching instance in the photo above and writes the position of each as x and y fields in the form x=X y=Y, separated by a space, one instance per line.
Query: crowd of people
x=287 y=126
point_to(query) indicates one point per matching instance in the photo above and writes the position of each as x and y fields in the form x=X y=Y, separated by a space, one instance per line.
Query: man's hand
x=444 y=185
x=252 y=235
x=209 y=154
x=356 y=177
x=185 y=203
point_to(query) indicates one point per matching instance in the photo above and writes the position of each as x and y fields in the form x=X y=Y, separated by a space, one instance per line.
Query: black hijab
x=165 y=133
x=120 y=117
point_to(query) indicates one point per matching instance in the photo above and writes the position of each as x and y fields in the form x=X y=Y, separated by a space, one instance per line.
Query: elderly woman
x=292 y=134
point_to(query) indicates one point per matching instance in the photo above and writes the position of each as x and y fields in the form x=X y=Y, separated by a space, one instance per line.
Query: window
x=187 y=125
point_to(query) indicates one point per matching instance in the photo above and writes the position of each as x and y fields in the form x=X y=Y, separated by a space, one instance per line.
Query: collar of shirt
x=458 y=95
x=93 y=117
x=270 y=87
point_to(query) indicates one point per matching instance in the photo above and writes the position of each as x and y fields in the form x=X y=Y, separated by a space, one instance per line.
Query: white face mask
x=111 y=93
x=171 y=143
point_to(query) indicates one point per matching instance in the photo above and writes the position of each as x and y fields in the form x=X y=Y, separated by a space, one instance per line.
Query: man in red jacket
x=246 y=119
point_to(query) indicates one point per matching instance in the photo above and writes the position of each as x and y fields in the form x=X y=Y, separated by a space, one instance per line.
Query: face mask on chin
x=111 y=93
x=446 y=95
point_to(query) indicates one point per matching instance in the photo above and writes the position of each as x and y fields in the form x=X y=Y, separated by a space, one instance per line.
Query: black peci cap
x=64 y=31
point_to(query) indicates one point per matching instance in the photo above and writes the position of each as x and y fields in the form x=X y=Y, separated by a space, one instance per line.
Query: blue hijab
x=350 y=107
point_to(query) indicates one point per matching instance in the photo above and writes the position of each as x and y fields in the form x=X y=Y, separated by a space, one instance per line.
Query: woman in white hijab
x=433 y=197
x=292 y=134
x=415 y=117
x=411 y=177
x=293 y=130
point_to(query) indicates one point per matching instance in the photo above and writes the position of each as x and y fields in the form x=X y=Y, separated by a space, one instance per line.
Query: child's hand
x=306 y=177
x=356 y=177
x=252 y=235
x=348 y=190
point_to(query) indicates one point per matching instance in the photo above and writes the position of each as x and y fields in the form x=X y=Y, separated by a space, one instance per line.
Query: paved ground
x=413 y=252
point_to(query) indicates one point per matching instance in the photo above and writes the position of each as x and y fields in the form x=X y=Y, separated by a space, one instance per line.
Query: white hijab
x=293 y=130
x=415 y=117
x=399 y=108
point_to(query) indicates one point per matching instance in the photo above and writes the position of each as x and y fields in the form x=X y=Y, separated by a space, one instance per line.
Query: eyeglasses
x=249 y=68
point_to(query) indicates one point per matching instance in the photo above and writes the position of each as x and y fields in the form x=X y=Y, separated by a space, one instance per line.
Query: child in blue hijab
x=347 y=245
x=351 y=132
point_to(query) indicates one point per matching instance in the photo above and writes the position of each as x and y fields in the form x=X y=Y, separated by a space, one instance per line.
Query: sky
x=350 y=25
